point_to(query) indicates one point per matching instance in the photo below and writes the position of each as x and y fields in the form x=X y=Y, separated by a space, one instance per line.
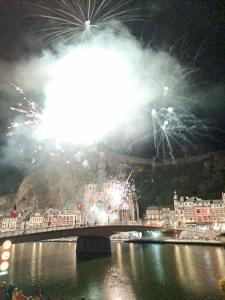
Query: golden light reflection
x=119 y=255
x=180 y=265
x=189 y=264
x=157 y=256
x=194 y=264
x=117 y=285
x=132 y=260
x=33 y=260
x=39 y=260
x=12 y=262
x=73 y=260
x=220 y=262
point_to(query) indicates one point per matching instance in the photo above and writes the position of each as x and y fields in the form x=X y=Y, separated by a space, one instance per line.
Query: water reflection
x=117 y=285
x=179 y=263
x=132 y=272
x=157 y=255
x=33 y=261
x=132 y=260
x=39 y=265
x=12 y=263
x=119 y=255
x=199 y=267
x=220 y=262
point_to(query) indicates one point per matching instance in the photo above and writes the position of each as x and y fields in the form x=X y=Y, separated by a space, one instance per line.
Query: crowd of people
x=11 y=292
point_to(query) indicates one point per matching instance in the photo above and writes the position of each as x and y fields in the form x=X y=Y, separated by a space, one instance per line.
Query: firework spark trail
x=176 y=130
x=77 y=19
x=24 y=107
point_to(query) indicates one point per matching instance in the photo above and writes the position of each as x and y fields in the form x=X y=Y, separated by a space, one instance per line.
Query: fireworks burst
x=120 y=194
x=92 y=88
x=76 y=20
x=110 y=198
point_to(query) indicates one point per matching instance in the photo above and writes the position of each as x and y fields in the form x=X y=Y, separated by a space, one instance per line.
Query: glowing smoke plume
x=98 y=86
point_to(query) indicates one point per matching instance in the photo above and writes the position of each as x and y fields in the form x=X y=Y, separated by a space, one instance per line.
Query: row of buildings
x=188 y=210
x=106 y=202
x=41 y=219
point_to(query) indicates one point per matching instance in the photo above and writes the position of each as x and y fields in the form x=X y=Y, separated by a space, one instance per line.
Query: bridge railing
x=27 y=231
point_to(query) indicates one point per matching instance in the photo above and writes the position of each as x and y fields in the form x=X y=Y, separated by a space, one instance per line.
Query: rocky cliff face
x=59 y=183
x=7 y=202
x=53 y=186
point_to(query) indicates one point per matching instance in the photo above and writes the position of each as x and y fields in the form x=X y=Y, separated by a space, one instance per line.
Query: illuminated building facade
x=159 y=215
x=188 y=210
x=199 y=211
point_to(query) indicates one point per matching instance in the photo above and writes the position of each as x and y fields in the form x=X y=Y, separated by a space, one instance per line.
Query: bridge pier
x=92 y=246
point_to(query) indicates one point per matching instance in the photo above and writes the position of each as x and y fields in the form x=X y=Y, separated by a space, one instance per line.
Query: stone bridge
x=92 y=240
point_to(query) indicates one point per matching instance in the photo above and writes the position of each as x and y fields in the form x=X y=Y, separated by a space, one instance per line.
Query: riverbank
x=179 y=242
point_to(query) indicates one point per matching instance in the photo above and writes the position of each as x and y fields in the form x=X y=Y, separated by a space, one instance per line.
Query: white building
x=9 y=224
x=36 y=221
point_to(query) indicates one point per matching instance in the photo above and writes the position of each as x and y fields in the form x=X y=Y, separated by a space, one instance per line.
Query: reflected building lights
x=33 y=260
x=220 y=262
x=21 y=255
x=188 y=258
x=180 y=265
x=117 y=285
x=157 y=256
x=207 y=259
x=12 y=264
x=73 y=258
x=119 y=255
x=132 y=260
x=39 y=260
x=208 y=262
x=195 y=270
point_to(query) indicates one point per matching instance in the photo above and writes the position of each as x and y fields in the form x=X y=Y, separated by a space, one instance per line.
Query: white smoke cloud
x=94 y=88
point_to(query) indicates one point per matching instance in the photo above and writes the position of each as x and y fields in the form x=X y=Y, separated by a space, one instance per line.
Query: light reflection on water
x=134 y=271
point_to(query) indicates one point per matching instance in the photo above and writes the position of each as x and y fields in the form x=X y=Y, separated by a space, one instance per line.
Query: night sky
x=192 y=31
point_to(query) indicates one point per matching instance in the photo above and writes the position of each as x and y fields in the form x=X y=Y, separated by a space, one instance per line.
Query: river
x=134 y=271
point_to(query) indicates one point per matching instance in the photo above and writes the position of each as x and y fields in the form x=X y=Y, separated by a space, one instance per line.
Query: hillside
x=59 y=184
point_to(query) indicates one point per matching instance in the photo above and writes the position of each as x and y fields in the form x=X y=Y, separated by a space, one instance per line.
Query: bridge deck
x=104 y=230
